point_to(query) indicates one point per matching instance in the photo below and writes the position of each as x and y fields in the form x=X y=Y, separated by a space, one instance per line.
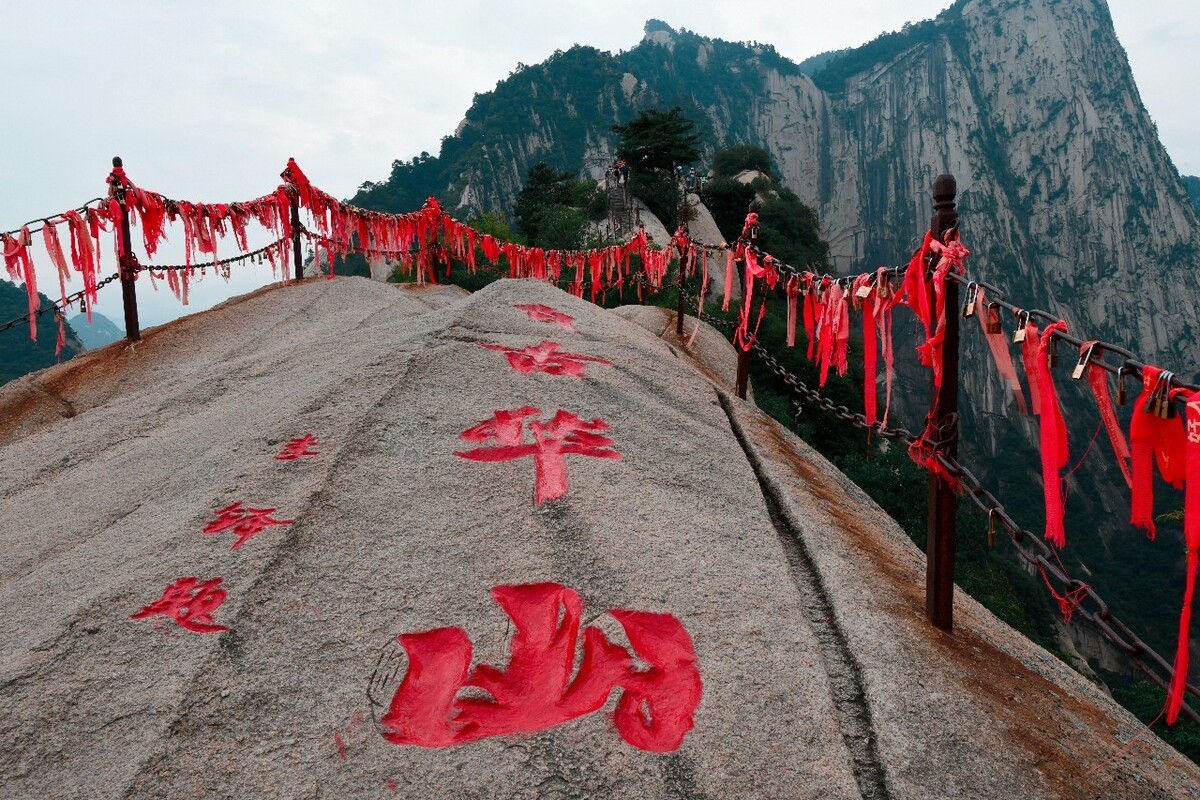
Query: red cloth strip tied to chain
x=54 y=249
x=1191 y=532
x=925 y=450
x=1097 y=378
x=1055 y=453
x=814 y=312
x=916 y=291
x=834 y=332
x=793 y=299
x=886 y=299
x=989 y=320
x=950 y=258
x=20 y=267
x=1153 y=439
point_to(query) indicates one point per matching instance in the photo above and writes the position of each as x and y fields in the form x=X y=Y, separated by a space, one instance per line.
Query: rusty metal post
x=127 y=264
x=743 y=372
x=297 y=260
x=943 y=505
x=750 y=239
x=679 y=305
x=683 y=256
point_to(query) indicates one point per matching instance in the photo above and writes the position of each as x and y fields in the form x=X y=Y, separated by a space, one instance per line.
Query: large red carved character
x=299 y=448
x=565 y=434
x=190 y=603
x=243 y=522
x=539 y=312
x=536 y=691
x=547 y=357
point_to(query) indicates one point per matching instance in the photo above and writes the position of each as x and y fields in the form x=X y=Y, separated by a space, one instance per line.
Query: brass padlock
x=1121 y=385
x=863 y=292
x=972 y=296
x=1019 y=335
x=1166 y=407
x=1153 y=405
x=1081 y=368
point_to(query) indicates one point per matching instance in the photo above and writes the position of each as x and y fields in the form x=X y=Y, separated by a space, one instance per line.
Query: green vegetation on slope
x=788 y=229
x=19 y=355
x=883 y=48
x=1192 y=184
x=553 y=208
x=655 y=144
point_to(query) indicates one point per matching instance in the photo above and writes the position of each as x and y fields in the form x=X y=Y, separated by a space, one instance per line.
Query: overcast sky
x=206 y=100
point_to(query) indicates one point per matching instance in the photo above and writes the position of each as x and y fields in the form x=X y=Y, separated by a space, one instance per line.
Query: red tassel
x=834 y=332
x=1153 y=439
x=887 y=300
x=1029 y=356
x=999 y=347
x=62 y=336
x=793 y=297
x=1191 y=530
x=814 y=312
x=1053 y=440
x=916 y=290
x=728 y=279
x=870 y=354
x=1098 y=380
x=54 y=248
x=20 y=267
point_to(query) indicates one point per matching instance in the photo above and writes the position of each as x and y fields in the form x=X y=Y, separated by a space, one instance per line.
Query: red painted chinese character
x=543 y=313
x=243 y=522
x=189 y=603
x=565 y=434
x=546 y=357
x=297 y=448
x=536 y=690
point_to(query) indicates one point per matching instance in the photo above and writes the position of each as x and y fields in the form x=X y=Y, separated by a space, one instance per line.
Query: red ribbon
x=813 y=309
x=1098 y=380
x=887 y=299
x=1191 y=532
x=1152 y=440
x=793 y=299
x=870 y=348
x=1029 y=355
x=998 y=345
x=1053 y=439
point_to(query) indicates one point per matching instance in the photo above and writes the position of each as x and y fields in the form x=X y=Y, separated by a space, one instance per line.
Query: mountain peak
x=658 y=32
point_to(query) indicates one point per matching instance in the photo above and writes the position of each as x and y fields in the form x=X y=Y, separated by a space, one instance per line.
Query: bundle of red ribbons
x=1156 y=437
x=339 y=229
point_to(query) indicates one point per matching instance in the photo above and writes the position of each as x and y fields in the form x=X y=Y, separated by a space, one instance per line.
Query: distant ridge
x=99 y=332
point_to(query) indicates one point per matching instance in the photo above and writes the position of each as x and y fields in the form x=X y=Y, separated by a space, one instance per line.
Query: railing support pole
x=683 y=257
x=679 y=304
x=743 y=372
x=127 y=266
x=297 y=260
x=943 y=505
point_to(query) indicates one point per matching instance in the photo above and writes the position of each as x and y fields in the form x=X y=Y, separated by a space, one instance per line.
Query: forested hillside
x=19 y=355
